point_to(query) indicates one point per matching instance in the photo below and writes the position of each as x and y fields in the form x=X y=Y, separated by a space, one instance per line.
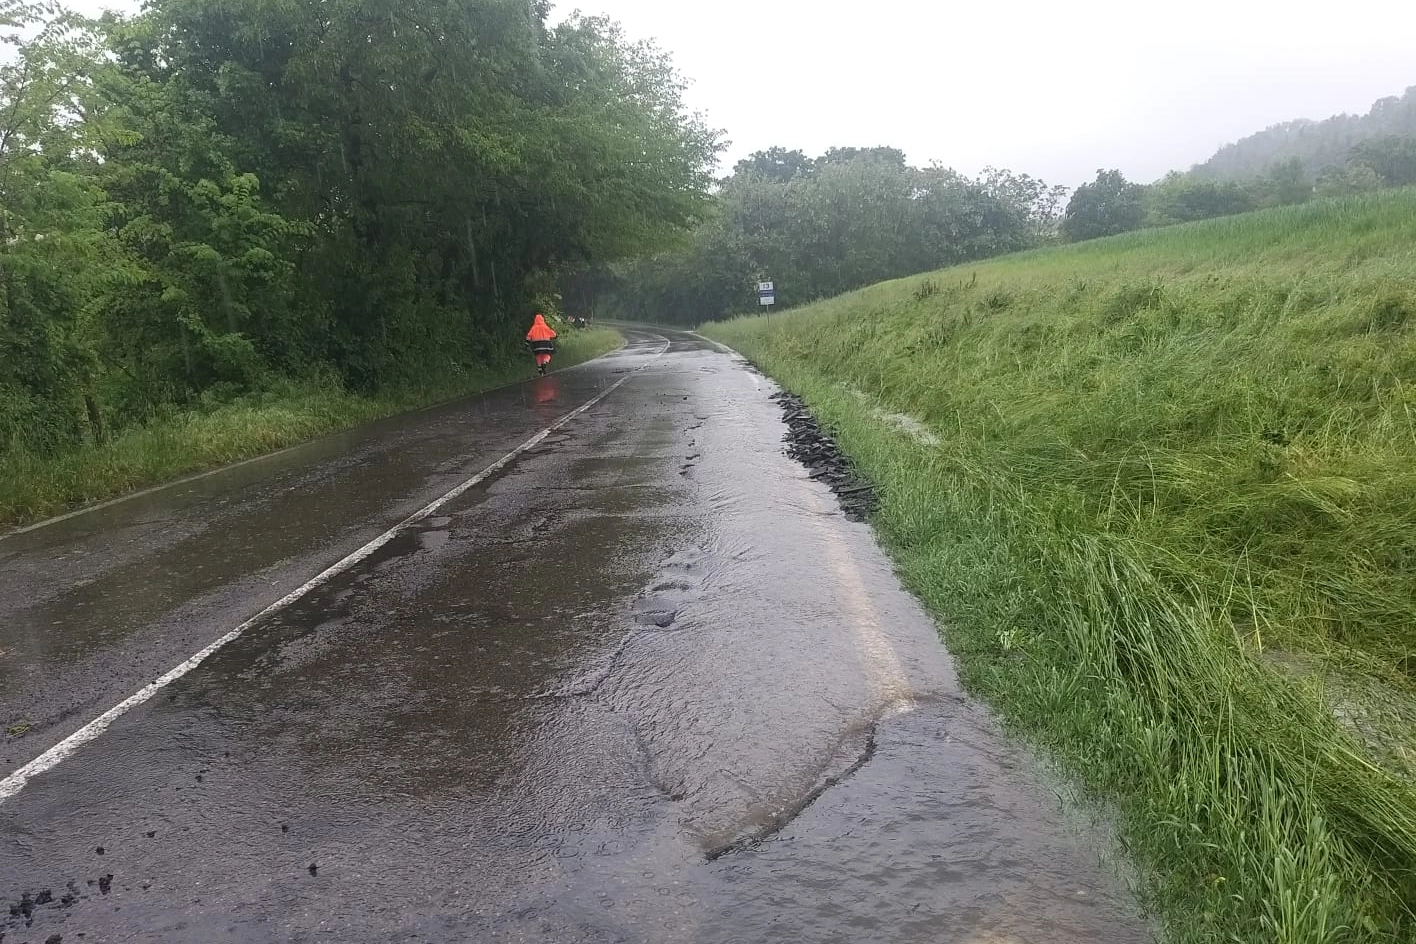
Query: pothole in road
x=679 y=582
x=661 y=619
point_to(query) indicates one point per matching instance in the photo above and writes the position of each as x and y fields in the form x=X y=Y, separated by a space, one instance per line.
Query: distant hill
x=1317 y=144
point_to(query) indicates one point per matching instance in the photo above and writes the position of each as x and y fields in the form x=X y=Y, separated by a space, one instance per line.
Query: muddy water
x=648 y=686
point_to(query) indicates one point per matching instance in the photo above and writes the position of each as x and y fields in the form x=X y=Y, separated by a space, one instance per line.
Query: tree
x=775 y=163
x=1392 y=158
x=1040 y=204
x=1287 y=183
x=53 y=243
x=858 y=216
x=849 y=225
x=1347 y=181
x=446 y=153
x=1181 y=198
x=203 y=198
x=892 y=157
x=1316 y=144
x=1108 y=205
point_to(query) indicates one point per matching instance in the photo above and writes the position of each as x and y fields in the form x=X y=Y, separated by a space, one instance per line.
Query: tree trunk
x=95 y=418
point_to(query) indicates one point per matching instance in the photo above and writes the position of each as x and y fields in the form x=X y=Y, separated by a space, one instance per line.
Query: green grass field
x=33 y=487
x=1163 y=503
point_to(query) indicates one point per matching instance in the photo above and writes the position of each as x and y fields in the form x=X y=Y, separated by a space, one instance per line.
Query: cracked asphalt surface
x=646 y=683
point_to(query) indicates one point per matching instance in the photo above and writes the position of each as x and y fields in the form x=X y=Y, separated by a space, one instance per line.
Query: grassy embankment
x=33 y=487
x=1163 y=503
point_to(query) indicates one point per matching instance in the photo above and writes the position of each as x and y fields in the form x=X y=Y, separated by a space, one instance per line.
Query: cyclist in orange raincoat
x=542 y=339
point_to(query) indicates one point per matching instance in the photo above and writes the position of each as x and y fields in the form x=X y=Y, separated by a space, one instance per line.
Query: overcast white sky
x=1047 y=87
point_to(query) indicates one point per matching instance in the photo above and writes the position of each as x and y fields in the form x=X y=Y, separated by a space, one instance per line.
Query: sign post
x=766 y=294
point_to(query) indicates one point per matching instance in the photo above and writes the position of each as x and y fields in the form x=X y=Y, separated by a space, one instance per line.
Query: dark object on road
x=814 y=448
x=25 y=908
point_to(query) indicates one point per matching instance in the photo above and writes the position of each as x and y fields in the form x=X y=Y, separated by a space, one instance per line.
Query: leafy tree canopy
x=205 y=197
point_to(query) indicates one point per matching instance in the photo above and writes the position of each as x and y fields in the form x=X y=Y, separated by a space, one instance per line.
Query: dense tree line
x=1317 y=146
x=208 y=197
x=820 y=226
x=1286 y=164
x=1111 y=204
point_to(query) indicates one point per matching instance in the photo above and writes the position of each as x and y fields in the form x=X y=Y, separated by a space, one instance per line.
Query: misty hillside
x=1317 y=144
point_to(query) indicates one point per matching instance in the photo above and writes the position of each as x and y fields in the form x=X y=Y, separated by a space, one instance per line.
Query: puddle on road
x=932 y=840
x=818 y=769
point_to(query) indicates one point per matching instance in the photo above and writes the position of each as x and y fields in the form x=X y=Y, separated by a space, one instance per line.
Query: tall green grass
x=32 y=487
x=1169 y=526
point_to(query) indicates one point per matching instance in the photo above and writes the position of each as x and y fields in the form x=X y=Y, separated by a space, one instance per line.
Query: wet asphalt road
x=643 y=684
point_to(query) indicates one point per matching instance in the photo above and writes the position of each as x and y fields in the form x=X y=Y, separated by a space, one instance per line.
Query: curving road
x=634 y=678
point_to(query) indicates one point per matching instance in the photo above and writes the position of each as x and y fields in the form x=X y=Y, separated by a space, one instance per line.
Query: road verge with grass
x=1160 y=492
x=34 y=487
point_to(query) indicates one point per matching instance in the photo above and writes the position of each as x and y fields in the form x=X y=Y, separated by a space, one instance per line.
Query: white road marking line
x=130 y=496
x=721 y=348
x=882 y=665
x=197 y=476
x=60 y=752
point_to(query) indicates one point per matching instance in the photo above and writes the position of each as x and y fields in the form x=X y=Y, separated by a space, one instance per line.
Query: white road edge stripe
x=60 y=752
x=198 y=476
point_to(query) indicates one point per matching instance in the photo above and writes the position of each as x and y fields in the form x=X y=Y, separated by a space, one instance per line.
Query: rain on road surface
x=644 y=683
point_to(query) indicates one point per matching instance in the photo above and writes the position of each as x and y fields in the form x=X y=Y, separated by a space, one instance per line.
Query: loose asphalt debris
x=814 y=448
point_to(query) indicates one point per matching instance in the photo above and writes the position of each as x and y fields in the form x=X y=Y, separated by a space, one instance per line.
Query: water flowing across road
x=507 y=673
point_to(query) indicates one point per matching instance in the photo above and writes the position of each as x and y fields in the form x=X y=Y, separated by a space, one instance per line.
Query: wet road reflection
x=95 y=606
x=646 y=686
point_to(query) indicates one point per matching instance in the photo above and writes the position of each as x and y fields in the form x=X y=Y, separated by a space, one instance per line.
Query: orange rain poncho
x=538 y=337
x=540 y=331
